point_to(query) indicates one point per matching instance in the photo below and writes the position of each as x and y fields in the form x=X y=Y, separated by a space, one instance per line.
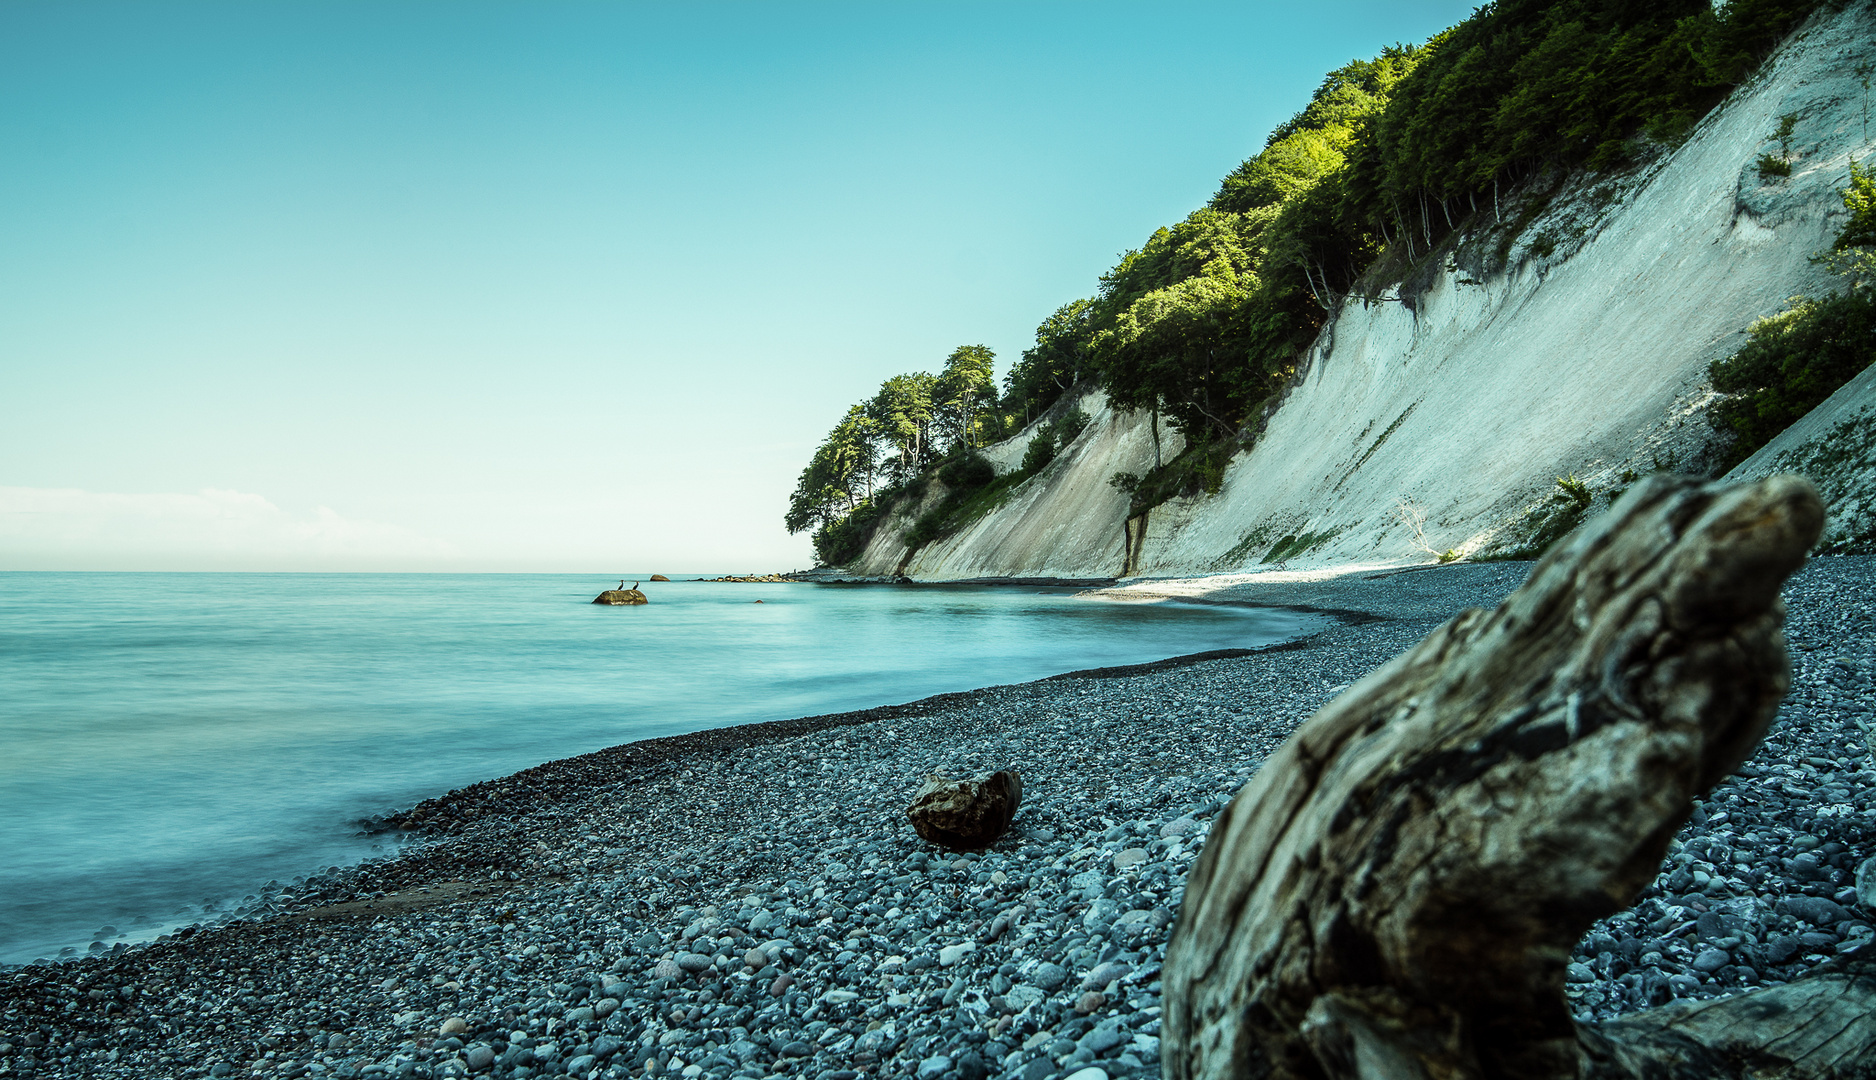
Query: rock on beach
x=751 y=902
x=966 y=815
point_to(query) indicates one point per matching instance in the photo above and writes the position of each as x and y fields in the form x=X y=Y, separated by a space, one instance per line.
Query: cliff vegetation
x=1390 y=158
x=1795 y=359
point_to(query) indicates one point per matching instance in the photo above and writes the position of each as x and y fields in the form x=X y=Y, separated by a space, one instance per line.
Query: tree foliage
x=1526 y=84
x=839 y=476
x=1795 y=359
x=966 y=385
x=1791 y=362
x=1210 y=315
x=1860 y=199
x=912 y=422
x=1057 y=361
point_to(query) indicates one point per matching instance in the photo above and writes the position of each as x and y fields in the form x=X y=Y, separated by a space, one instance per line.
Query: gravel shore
x=751 y=901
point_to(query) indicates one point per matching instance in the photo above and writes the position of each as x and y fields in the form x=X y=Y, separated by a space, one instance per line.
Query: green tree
x=1860 y=199
x=818 y=498
x=1166 y=351
x=902 y=412
x=854 y=447
x=966 y=384
x=839 y=476
x=1791 y=362
x=1057 y=361
x=1169 y=326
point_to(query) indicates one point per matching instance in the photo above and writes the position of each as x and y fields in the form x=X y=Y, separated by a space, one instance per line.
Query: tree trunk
x=1397 y=892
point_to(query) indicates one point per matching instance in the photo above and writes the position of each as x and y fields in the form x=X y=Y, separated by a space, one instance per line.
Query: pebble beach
x=751 y=901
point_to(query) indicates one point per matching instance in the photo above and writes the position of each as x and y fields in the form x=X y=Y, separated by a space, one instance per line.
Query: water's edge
x=410 y=831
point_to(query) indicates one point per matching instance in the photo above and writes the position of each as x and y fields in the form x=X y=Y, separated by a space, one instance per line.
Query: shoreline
x=740 y=736
x=546 y=913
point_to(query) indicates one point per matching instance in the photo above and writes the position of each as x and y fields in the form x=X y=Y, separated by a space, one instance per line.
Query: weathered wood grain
x=1397 y=892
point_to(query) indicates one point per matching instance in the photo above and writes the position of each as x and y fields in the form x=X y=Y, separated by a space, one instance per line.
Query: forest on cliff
x=1386 y=164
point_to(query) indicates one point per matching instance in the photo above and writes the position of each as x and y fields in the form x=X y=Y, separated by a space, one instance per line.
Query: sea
x=171 y=741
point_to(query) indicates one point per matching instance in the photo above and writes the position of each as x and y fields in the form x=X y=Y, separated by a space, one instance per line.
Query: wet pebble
x=723 y=905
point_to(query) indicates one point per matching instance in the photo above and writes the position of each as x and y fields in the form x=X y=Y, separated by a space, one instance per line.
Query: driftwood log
x=1397 y=892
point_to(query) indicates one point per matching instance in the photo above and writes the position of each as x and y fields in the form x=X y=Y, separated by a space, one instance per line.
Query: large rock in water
x=659 y=577
x=966 y=815
x=621 y=597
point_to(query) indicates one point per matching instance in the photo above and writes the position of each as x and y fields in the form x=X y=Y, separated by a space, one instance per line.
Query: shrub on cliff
x=840 y=541
x=1050 y=438
x=1792 y=361
x=966 y=472
x=1210 y=315
x=1795 y=359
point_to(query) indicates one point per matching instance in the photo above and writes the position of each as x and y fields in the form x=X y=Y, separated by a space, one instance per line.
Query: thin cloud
x=69 y=528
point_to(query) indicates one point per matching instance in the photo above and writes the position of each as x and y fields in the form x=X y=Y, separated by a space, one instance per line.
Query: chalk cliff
x=1439 y=417
x=1835 y=445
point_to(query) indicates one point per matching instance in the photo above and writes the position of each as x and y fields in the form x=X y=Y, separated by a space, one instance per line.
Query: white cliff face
x=1066 y=521
x=1416 y=429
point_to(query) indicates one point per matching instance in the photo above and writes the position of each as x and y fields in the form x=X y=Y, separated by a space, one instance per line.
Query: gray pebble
x=1048 y=976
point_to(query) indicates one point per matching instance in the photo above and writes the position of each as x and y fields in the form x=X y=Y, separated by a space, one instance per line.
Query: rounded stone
x=951 y=954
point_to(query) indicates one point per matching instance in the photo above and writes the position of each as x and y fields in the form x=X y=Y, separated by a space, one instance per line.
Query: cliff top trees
x=902 y=411
x=1210 y=315
x=839 y=476
x=968 y=381
x=1058 y=360
x=911 y=422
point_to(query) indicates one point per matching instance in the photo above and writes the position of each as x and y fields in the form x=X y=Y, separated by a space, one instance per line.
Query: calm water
x=174 y=740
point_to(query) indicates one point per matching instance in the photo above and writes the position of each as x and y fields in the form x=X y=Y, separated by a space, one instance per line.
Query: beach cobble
x=751 y=902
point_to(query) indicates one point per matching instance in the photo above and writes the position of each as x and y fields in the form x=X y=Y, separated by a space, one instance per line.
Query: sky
x=558 y=287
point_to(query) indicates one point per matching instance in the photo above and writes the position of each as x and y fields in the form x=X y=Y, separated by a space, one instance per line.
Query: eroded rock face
x=621 y=597
x=966 y=815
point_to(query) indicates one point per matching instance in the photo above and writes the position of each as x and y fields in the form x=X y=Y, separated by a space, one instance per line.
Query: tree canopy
x=1210 y=315
x=911 y=423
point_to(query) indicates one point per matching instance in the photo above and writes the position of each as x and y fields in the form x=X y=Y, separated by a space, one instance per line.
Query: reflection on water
x=173 y=739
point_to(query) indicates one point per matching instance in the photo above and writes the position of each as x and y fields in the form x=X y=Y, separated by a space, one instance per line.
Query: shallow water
x=174 y=740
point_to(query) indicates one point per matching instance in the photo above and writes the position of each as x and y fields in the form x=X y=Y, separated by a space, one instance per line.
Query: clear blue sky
x=558 y=286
